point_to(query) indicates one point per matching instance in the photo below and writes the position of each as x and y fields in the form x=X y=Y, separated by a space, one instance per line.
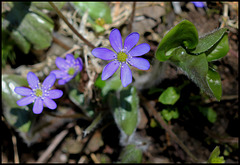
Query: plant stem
x=70 y=26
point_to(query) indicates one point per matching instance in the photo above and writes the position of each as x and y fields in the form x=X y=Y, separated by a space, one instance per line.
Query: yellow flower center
x=71 y=71
x=122 y=57
x=38 y=93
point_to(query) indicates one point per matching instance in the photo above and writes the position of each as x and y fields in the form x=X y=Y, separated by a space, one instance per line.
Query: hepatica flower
x=39 y=94
x=123 y=56
x=69 y=68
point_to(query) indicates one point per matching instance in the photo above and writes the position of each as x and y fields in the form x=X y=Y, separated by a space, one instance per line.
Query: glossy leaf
x=170 y=96
x=20 y=117
x=29 y=26
x=214 y=82
x=95 y=10
x=214 y=157
x=219 y=50
x=124 y=105
x=131 y=154
x=208 y=41
x=183 y=34
x=196 y=68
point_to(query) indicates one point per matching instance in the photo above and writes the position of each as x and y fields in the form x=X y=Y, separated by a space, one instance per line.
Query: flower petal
x=38 y=106
x=126 y=75
x=140 y=50
x=49 y=81
x=79 y=62
x=58 y=73
x=61 y=63
x=139 y=63
x=55 y=94
x=70 y=58
x=109 y=69
x=104 y=53
x=25 y=101
x=62 y=82
x=32 y=80
x=131 y=41
x=115 y=39
x=49 y=103
x=23 y=91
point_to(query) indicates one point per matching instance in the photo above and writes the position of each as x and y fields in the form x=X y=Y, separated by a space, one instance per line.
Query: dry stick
x=45 y=156
x=159 y=118
x=70 y=26
x=132 y=17
x=14 y=140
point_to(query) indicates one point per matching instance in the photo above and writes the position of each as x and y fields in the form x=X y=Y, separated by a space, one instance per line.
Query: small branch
x=74 y=116
x=16 y=157
x=132 y=17
x=60 y=43
x=70 y=26
x=47 y=154
x=160 y=120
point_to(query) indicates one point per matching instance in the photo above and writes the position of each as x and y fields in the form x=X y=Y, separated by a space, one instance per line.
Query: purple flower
x=123 y=56
x=199 y=3
x=69 y=68
x=39 y=93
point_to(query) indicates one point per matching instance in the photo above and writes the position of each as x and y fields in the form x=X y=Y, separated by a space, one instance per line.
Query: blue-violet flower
x=123 y=56
x=69 y=68
x=39 y=93
x=200 y=4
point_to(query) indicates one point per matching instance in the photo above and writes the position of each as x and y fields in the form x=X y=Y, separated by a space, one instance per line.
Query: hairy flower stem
x=70 y=26
x=158 y=117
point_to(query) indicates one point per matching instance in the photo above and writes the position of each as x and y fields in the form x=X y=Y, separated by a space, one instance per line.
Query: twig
x=60 y=43
x=70 y=26
x=75 y=116
x=132 y=17
x=94 y=158
x=16 y=157
x=45 y=156
x=160 y=120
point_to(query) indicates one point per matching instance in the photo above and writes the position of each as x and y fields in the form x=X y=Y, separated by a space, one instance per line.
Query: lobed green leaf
x=183 y=34
x=124 y=106
x=19 y=117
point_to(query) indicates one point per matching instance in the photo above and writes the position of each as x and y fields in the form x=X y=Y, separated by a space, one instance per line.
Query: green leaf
x=169 y=114
x=29 y=26
x=214 y=82
x=124 y=105
x=99 y=13
x=112 y=84
x=209 y=113
x=131 y=154
x=183 y=34
x=96 y=10
x=208 y=41
x=170 y=96
x=214 y=157
x=196 y=68
x=219 y=50
x=20 y=117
